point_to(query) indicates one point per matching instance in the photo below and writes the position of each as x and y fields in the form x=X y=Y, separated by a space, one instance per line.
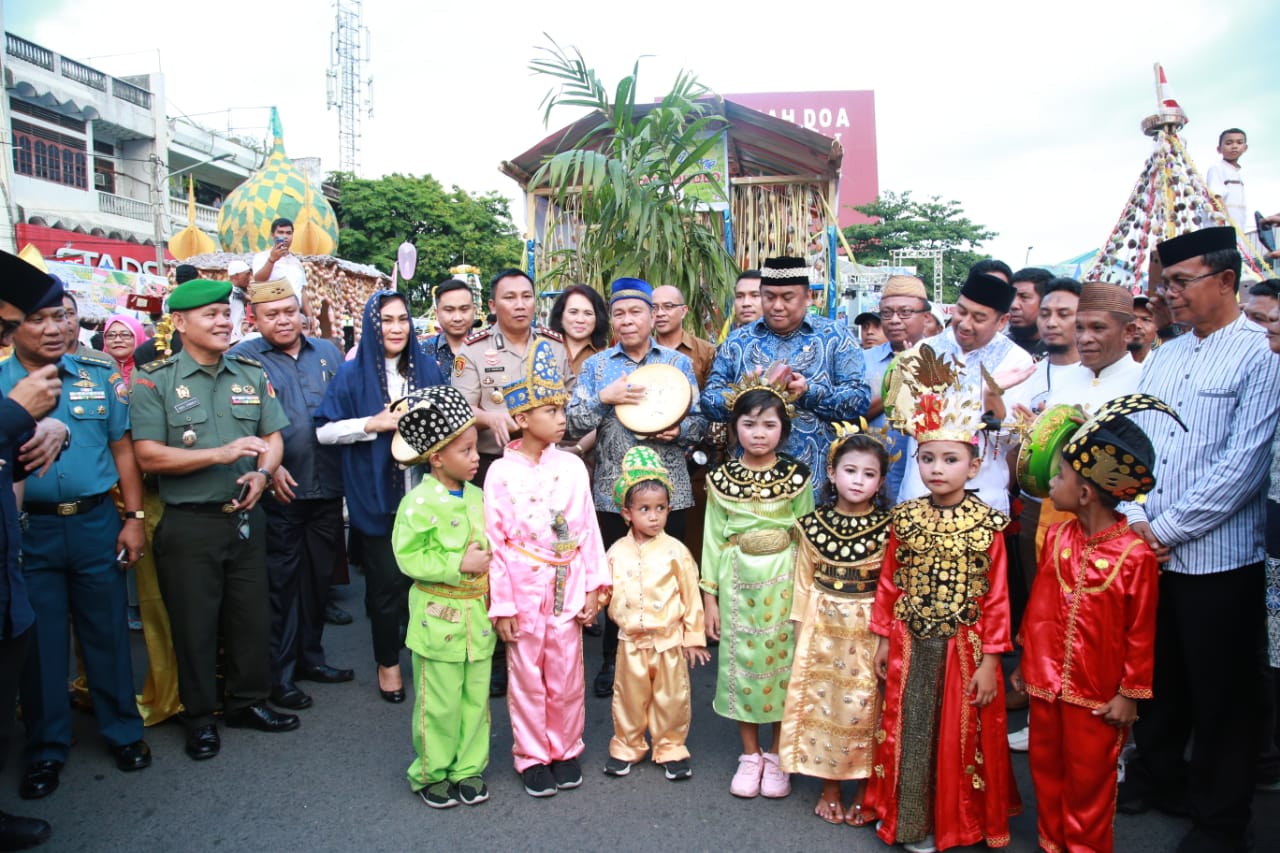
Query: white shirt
x=239 y=301
x=1225 y=181
x=992 y=480
x=1045 y=381
x=288 y=268
x=1078 y=386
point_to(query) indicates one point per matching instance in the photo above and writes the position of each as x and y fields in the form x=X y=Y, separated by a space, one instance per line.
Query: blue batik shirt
x=825 y=353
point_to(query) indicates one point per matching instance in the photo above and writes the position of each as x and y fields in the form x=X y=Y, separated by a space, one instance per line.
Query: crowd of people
x=857 y=532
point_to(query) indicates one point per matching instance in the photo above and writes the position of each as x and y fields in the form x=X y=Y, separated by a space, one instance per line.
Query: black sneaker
x=616 y=767
x=441 y=795
x=568 y=774
x=538 y=781
x=675 y=771
x=473 y=791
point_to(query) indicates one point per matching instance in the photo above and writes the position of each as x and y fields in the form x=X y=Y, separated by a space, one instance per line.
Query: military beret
x=198 y=293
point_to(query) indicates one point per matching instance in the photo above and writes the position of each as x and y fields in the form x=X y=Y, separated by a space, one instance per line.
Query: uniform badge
x=183 y=392
x=491 y=356
x=249 y=389
x=77 y=410
x=458 y=366
x=102 y=410
x=236 y=389
x=496 y=396
x=189 y=437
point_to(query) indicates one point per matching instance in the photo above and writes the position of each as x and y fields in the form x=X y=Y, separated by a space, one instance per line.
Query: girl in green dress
x=748 y=557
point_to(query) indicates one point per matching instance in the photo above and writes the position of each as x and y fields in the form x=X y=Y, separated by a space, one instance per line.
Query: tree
x=624 y=182
x=905 y=223
x=448 y=228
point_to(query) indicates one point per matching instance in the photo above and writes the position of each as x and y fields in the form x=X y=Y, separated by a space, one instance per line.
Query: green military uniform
x=486 y=362
x=207 y=562
x=449 y=631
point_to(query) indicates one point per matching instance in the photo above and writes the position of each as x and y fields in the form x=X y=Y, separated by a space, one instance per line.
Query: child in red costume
x=942 y=775
x=1088 y=635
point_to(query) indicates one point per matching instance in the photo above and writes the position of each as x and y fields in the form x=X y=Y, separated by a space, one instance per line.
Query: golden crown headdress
x=773 y=379
x=847 y=429
x=930 y=399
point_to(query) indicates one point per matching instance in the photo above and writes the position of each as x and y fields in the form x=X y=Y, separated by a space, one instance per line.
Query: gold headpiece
x=847 y=429
x=774 y=379
x=930 y=399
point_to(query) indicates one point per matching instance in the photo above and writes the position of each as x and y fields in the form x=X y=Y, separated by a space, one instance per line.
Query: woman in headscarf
x=120 y=337
x=356 y=414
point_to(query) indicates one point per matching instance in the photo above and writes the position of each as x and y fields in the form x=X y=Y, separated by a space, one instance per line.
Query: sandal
x=856 y=816
x=830 y=812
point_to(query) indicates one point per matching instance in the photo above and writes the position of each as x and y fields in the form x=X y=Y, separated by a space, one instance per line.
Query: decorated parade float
x=1170 y=198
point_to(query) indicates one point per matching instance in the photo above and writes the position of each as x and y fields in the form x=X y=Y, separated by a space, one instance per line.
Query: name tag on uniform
x=497 y=369
x=184 y=405
x=245 y=400
x=88 y=394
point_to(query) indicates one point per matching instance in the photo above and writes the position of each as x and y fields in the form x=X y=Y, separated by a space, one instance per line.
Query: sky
x=1027 y=115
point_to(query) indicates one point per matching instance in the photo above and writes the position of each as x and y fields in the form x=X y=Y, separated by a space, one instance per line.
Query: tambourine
x=1041 y=449
x=667 y=398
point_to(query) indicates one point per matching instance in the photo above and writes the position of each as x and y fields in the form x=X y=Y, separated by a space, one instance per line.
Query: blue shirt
x=825 y=353
x=16 y=615
x=585 y=412
x=439 y=349
x=300 y=384
x=878 y=359
x=94 y=404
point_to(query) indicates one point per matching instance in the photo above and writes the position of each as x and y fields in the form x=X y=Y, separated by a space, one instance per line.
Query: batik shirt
x=821 y=350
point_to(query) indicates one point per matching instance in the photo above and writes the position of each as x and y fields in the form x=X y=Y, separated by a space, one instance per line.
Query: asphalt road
x=338 y=784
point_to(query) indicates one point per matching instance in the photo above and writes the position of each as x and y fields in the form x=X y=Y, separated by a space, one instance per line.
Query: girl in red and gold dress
x=942 y=775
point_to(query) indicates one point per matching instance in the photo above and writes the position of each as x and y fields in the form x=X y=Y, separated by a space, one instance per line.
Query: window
x=63 y=163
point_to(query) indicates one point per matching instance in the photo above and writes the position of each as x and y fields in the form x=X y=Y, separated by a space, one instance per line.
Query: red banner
x=72 y=247
x=850 y=118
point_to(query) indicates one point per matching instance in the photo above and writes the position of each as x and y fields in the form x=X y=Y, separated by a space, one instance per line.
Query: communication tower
x=348 y=90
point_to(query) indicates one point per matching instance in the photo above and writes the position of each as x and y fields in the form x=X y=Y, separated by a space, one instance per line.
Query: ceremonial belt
x=66 y=507
x=561 y=563
x=771 y=540
x=844 y=585
x=454 y=592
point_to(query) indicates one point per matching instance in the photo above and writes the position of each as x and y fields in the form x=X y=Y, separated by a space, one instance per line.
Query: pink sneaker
x=746 y=782
x=775 y=783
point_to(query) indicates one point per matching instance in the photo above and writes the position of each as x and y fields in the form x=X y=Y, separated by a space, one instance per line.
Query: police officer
x=495 y=356
x=22 y=287
x=304 y=522
x=209 y=426
x=75 y=553
x=488 y=360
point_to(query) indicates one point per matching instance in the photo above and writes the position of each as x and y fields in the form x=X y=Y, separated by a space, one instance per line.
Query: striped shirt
x=1209 y=503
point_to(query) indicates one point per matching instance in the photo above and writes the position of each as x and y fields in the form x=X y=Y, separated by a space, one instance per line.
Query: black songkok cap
x=989 y=291
x=1197 y=243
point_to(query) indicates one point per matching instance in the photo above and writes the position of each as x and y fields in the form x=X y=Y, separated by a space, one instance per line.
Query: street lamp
x=157 y=186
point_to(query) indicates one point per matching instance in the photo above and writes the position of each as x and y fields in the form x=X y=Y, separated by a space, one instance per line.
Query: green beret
x=198 y=293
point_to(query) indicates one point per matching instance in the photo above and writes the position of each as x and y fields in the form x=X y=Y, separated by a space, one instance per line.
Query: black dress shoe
x=291 y=698
x=203 y=742
x=335 y=615
x=259 y=716
x=395 y=697
x=40 y=780
x=132 y=756
x=324 y=674
x=19 y=833
x=603 y=685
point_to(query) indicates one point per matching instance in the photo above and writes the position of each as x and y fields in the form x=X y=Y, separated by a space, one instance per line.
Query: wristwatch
x=264 y=472
x=137 y=513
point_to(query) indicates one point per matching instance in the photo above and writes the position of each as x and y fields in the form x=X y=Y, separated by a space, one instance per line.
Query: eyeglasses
x=900 y=313
x=118 y=336
x=1177 y=285
x=667 y=306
